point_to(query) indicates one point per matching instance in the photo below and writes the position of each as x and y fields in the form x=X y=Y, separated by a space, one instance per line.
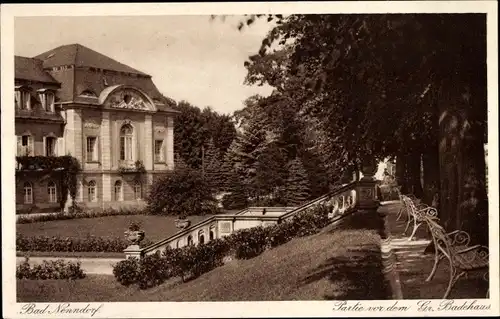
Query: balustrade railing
x=342 y=201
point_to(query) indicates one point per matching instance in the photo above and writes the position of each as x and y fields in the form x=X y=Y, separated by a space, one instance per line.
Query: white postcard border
x=235 y=309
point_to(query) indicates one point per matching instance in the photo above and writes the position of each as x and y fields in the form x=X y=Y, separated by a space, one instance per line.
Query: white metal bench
x=416 y=213
x=455 y=247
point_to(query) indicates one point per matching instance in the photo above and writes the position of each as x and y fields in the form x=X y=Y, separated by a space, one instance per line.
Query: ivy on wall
x=139 y=170
x=65 y=167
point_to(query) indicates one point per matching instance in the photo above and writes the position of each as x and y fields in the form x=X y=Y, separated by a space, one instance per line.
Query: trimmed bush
x=66 y=244
x=57 y=269
x=126 y=271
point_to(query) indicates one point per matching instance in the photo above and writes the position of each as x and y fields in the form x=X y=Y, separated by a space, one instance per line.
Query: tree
x=189 y=134
x=212 y=167
x=297 y=184
x=183 y=192
x=391 y=85
x=194 y=128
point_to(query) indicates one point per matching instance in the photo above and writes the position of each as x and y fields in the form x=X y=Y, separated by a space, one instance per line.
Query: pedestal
x=133 y=251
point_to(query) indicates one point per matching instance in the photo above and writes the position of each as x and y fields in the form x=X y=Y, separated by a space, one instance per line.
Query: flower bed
x=192 y=261
x=79 y=213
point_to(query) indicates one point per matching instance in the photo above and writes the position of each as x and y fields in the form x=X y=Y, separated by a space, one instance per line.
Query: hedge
x=192 y=261
x=66 y=244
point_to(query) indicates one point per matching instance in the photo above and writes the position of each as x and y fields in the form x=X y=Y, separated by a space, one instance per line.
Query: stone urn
x=182 y=223
x=134 y=236
x=369 y=168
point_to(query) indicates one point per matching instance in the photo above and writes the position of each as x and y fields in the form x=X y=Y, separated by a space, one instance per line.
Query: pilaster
x=105 y=142
x=170 y=142
x=148 y=142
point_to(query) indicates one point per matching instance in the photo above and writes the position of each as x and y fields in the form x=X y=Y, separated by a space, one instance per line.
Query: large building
x=75 y=101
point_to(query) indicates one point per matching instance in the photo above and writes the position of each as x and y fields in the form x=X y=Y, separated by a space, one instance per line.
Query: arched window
x=137 y=190
x=201 y=237
x=126 y=137
x=118 y=191
x=28 y=193
x=212 y=233
x=178 y=243
x=52 y=191
x=92 y=191
x=190 y=240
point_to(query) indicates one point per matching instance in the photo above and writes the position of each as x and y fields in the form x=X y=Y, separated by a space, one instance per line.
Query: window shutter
x=60 y=147
x=19 y=146
x=44 y=146
x=31 y=148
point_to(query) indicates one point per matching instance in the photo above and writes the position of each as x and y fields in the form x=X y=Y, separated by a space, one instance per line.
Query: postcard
x=284 y=159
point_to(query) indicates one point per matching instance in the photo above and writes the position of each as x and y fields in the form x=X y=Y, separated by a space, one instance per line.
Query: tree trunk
x=431 y=176
x=401 y=178
x=413 y=174
x=463 y=198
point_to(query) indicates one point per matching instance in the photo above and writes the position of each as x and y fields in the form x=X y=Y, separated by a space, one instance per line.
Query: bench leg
x=407 y=223
x=453 y=279
x=415 y=227
x=400 y=213
x=437 y=259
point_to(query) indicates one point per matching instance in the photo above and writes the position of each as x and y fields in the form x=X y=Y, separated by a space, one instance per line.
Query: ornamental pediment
x=129 y=98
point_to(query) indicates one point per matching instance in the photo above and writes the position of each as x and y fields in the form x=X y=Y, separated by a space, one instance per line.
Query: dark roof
x=81 y=56
x=31 y=70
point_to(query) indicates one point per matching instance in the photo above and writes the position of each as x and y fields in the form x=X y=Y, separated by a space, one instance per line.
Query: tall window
x=190 y=240
x=28 y=193
x=91 y=190
x=126 y=135
x=91 y=149
x=52 y=192
x=50 y=146
x=25 y=100
x=137 y=190
x=47 y=98
x=201 y=237
x=118 y=191
x=159 y=158
x=25 y=145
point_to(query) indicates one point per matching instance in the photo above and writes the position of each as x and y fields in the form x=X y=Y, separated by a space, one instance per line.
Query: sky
x=190 y=58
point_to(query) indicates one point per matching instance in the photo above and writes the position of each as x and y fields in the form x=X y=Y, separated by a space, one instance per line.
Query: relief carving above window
x=91 y=124
x=127 y=99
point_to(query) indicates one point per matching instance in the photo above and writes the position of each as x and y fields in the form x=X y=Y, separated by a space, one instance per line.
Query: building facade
x=75 y=101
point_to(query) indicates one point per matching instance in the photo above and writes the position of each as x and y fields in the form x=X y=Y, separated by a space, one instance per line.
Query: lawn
x=156 y=227
x=334 y=264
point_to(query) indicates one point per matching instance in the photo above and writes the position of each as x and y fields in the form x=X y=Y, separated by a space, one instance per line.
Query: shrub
x=183 y=191
x=66 y=244
x=248 y=243
x=126 y=271
x=57 y=269
x=153 y=271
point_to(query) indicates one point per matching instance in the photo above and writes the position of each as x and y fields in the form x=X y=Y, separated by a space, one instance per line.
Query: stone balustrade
x=355 y=196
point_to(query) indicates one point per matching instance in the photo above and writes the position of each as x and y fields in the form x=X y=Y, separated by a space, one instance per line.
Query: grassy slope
x=156 y=227
x=334 y=264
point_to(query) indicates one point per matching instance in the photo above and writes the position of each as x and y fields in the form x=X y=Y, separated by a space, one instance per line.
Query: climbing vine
x=139 y=170
x=66 y=167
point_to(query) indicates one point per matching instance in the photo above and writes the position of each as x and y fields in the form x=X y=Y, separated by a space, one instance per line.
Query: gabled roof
x=81 y=56
x=31 y=70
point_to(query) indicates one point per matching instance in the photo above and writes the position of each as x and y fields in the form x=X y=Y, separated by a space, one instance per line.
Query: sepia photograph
x=262 y=156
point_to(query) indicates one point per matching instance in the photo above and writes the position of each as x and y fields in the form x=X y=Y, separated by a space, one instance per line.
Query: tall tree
x=392 y=85
x=297 y=184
